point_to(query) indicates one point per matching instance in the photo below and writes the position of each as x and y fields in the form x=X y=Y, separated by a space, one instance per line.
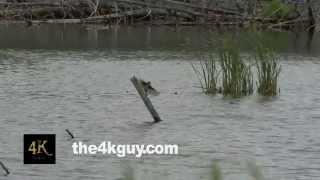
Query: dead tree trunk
x=137 y=84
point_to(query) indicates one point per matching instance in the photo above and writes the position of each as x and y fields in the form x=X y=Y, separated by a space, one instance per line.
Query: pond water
x=54 y=77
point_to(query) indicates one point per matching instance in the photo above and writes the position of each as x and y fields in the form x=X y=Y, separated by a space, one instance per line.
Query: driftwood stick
x=70 y=134
x=288 y=22
x=5 y=168
x=117 y=15
x=137 y=84
x=57 y=21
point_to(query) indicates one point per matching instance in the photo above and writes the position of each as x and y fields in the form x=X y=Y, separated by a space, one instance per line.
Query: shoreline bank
x=135 y=12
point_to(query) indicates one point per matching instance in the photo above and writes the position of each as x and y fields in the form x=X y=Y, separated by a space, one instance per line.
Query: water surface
x=81 y=82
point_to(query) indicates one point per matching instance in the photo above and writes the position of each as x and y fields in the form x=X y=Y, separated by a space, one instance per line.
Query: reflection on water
x=140 y=38
x=310 y=38
x=88 y=91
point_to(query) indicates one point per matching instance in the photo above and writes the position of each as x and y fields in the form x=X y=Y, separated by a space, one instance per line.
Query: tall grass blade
x=237 y=78
x=207 y=74
x=268 y=69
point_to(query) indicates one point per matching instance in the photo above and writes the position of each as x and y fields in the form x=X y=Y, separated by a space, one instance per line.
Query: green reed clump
x=229 y=68
x=231 y=75
x=237 y=78
x=207 y=74
x=277 y=9
x=268 y=69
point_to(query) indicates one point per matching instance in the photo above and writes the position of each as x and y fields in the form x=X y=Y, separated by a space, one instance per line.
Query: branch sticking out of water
x=5 y=168
x=70 y=134
x=139 y=87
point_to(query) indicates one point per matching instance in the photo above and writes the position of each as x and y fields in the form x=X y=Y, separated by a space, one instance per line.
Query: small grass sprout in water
x=216 y=173
x=254 y=171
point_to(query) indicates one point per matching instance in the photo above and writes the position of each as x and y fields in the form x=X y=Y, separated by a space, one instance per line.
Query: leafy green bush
x=277 y=9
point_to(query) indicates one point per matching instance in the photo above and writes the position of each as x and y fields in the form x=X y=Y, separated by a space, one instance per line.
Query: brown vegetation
x=157 y=12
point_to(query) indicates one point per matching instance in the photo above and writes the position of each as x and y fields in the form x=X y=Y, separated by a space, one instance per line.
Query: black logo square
x=39 y=149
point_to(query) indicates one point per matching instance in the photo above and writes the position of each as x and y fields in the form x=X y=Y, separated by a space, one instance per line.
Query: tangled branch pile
x=165 y=12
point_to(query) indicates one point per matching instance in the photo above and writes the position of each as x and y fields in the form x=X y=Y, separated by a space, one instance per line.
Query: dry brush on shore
x=239 y=13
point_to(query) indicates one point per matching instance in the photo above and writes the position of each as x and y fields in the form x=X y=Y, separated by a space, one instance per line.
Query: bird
x=148 y=89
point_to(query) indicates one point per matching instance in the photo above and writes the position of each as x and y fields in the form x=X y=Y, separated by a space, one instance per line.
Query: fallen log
x=164 y=7
x=29 y=4
x=140 y=12
x=179 y=6
x=56 y=13
x=11 y=12
x=58 y=21
x=285 y=23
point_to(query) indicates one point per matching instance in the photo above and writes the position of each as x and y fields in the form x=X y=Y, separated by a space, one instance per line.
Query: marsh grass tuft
x=231 y=75
x=237 y=78
x=229 y=68
x=207 y=74
x=268 y=70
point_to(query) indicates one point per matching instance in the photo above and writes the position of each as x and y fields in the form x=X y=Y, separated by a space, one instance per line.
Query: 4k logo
x=39 y=149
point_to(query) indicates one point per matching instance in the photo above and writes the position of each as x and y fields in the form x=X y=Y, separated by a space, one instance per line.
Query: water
x=49 y=84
